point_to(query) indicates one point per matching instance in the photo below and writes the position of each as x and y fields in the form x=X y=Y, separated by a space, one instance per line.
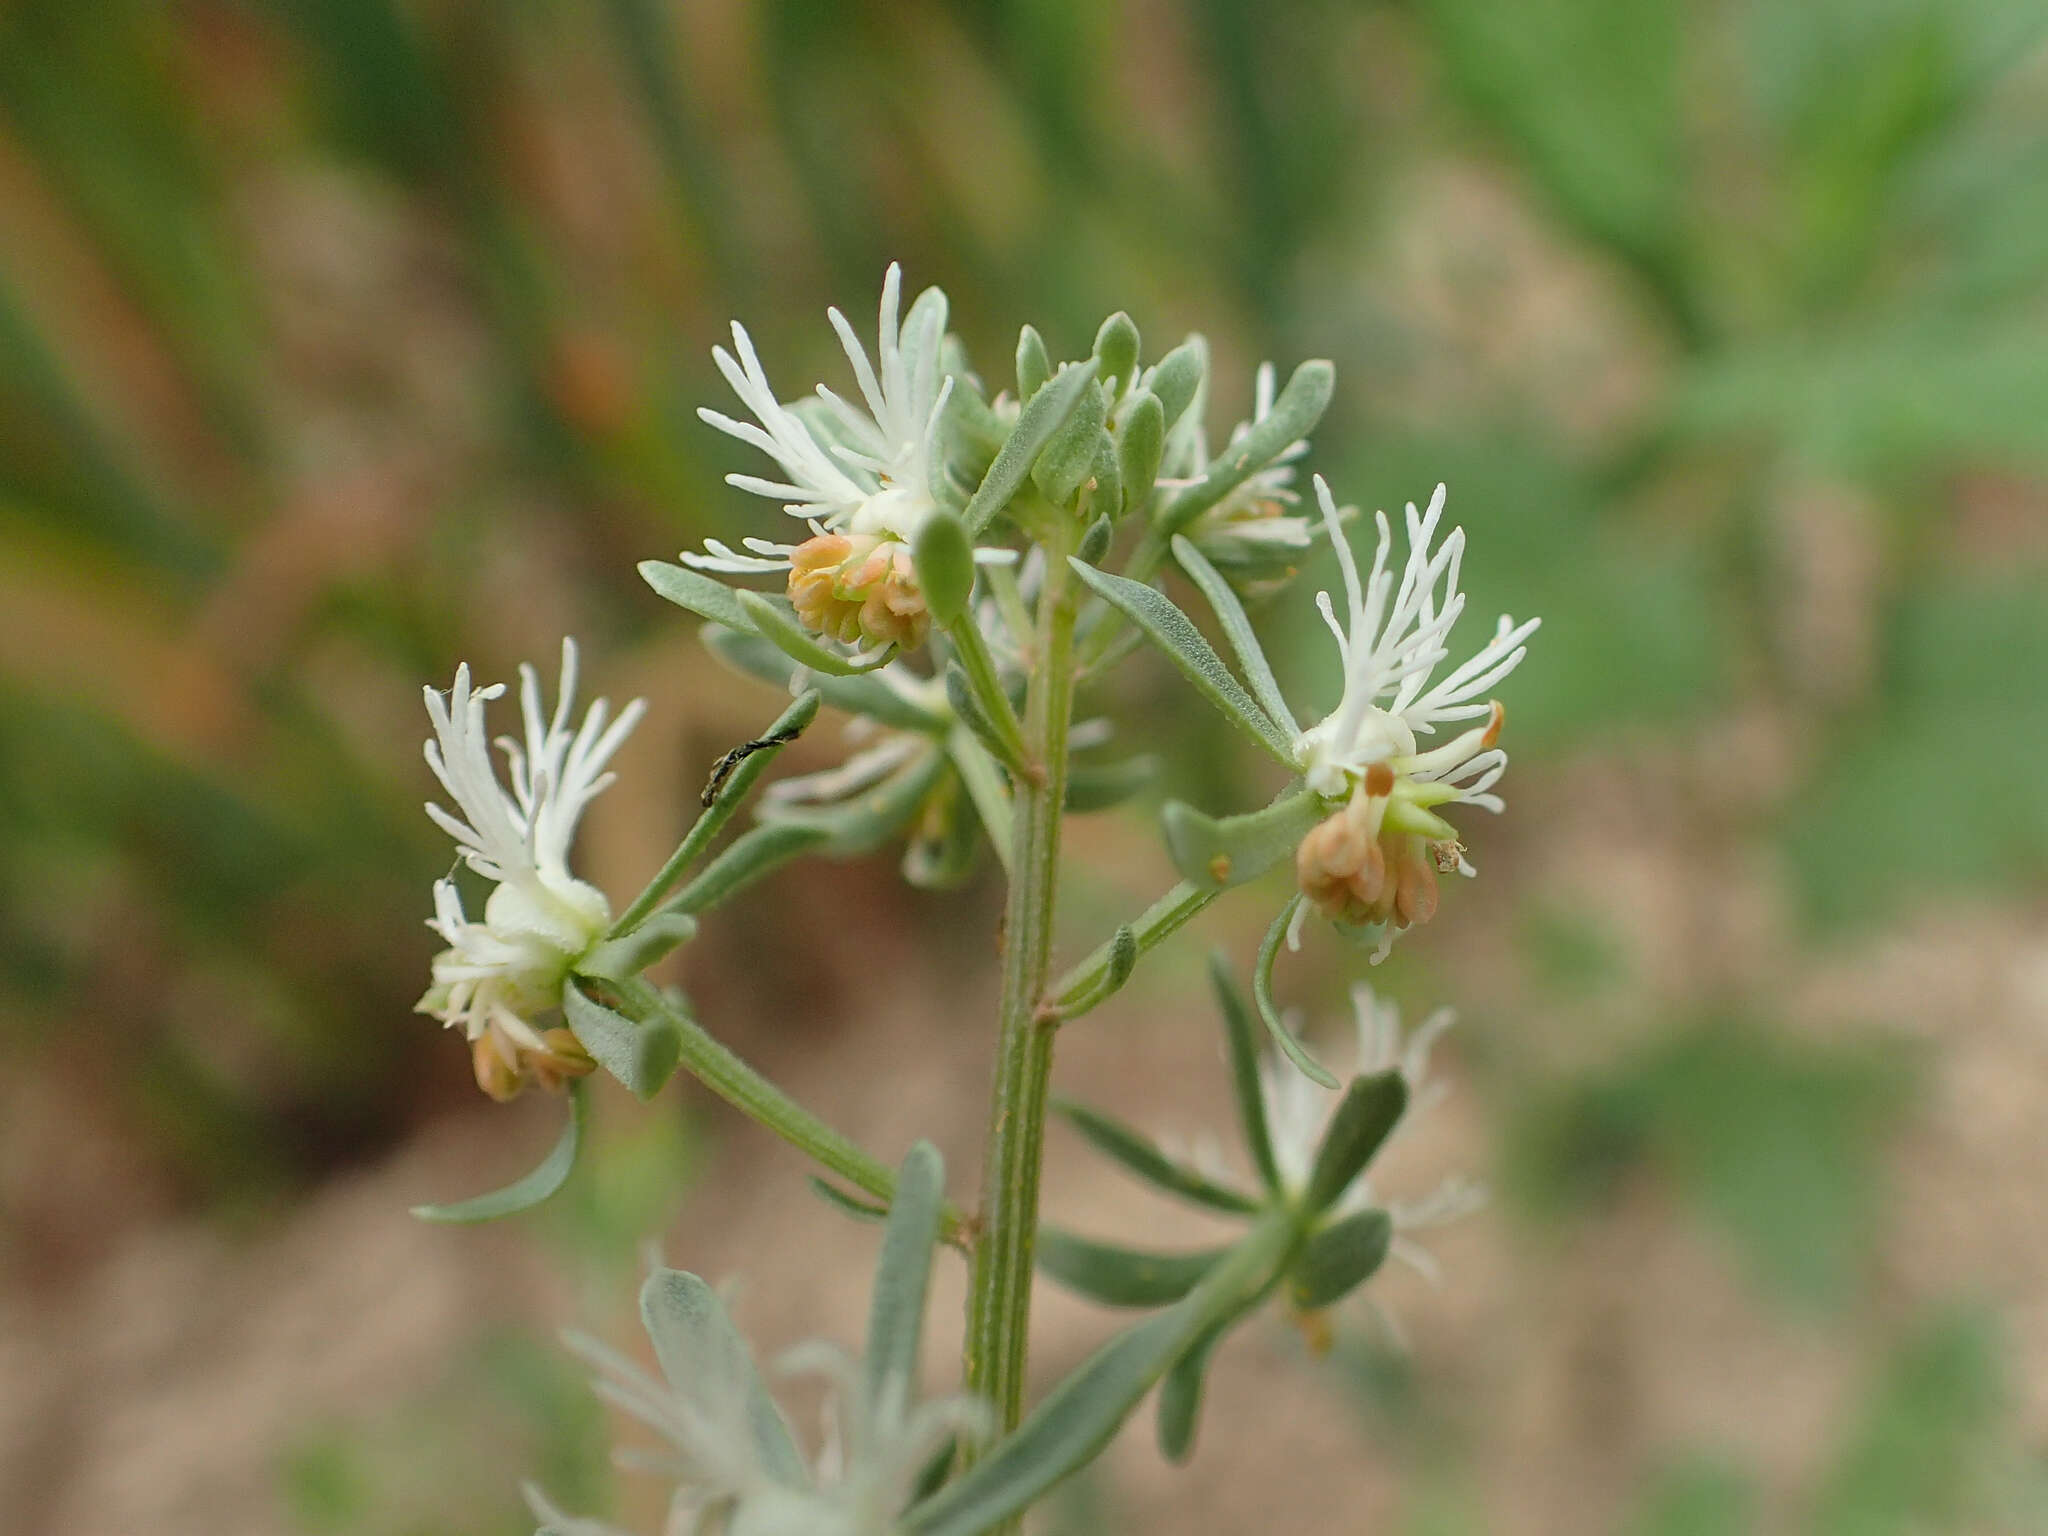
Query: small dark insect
x=723 y=768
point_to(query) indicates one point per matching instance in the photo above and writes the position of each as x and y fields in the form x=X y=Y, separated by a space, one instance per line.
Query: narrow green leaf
x=1242 y=1046
x=1068 y=458
x=525 y=1193
x=867 y=821
x=1034 y=364
x=985 y=787
x=1045 y=413
x=903 y=1274
x=726 y=794
x=1095 y=542
x=1065 y=1432
x=1294 y=415
x=1106 y=498
x=748 y=857
x=707 y=1362
x=1262 y=994
x=701 y=594
x=857 y=1206
x=1098 y=786
x=1177 y=378
x=786 y=635
x=632 y=952
x=642 y=1056
x=1371 y=1108
x=1122 y=1277
x=1216 y=853
x=1140 y=444
x=969 y=711
x=945 y=567
x=863 y=695
x=1180 y=1398
x=1237 y=628
x=1175 y=634
x=1116 y=349
x=1138 y=1153
x=1340 y=1258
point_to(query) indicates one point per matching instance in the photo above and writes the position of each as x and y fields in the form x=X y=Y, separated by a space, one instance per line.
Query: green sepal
x=643 y=1056
x=1116 y=350
x=1138 y=1154
x=1067 y=461
x=1175 y=634
x=746 y=858
x=522 y=1194
x=780 y=628
x=903 y=1274
x=1180 y=1397
x=1242 y=1047
x=1122 y=1277
x=701 y=594
x=1294 y=415
x=1140 y=444
x=1237 y=628
x=944 y=557
x=1340 y=1258
x=1177 y=378
x=862 y=824
x=974 y=425
x=1034 y=364
x=1405 y=815
x=1217 y=852
x=868 y=696
x=1098 y=786
x=703 y=1355
x=627 y=956
x=1045 y=413
x=1262 y=995
x=859 y=1207
x=1371 y=1108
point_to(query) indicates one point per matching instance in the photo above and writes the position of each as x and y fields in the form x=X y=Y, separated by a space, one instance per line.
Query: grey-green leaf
x=1262 y=995
x=1141 y=1155
x=1340 y=1258
x=1175 y=635
x=1294 y=415
x=642 y=1056
x=864 y=823
x=1237 y=628
x=1116 y=349
x=707 y=1362
x=1215 y=853
x=1098 y=786
x=1180 y=1398
x=786 y=635
x=625 y=957
x=1068 y=458
x=521 y=1194
x=859 y=1207
x=1034 y=364
x=1140 y=444
x=1045 y=413
x=1122 y=1277
x=1371 y=1108
x=699 y=593
x=861 y=695
x=1177 y=377
x=748 y=857
x=896 y=1313
x=1242 y=1046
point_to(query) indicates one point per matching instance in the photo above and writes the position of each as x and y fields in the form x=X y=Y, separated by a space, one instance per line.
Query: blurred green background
x=342 y=339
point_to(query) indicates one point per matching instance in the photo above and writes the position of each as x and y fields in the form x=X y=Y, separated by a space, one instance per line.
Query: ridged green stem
x=999 y=1303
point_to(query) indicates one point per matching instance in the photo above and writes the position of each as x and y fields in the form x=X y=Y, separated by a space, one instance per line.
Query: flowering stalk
x=999 y=1303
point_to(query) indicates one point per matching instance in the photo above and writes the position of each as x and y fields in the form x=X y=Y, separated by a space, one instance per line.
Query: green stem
x=999 y=1303
x=1082 y=989
x=754 y=1096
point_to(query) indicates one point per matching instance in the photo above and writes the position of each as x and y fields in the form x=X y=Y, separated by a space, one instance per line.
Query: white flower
x=875 y=1447
x=1252 y=514
x=1298 y=1114
x=867 y=472
x=497 y=976
x=1395 y=639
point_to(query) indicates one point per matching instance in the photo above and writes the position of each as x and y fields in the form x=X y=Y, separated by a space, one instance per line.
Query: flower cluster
x=499 y=977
